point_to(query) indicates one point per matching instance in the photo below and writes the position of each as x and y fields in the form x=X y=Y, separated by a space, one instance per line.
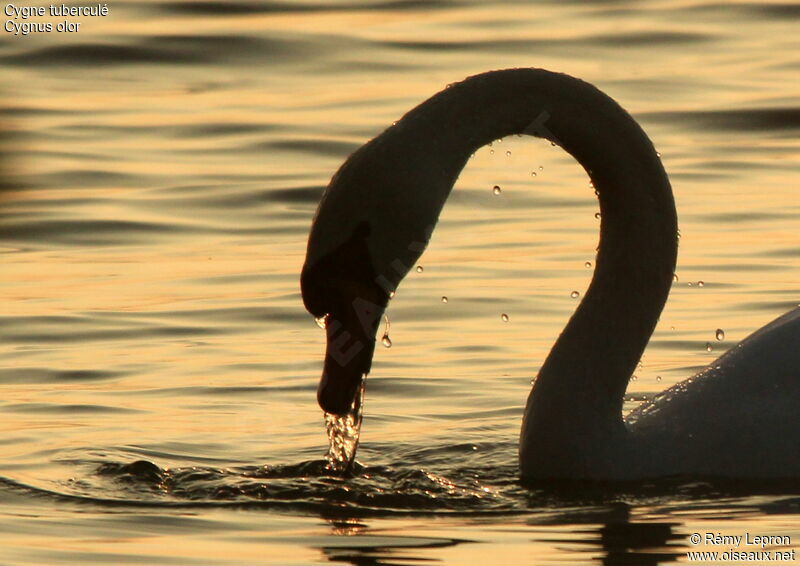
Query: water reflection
x=617 y=540
x=356 y=545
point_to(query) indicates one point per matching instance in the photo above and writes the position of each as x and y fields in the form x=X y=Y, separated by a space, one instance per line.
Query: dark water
x=160 y=170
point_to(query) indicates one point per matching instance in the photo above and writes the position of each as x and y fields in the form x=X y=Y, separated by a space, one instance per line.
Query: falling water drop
x=634 y=378
x=392 y=294
x=675 y=277
x=574 y=294
x=720 y=334
x=491 y=152
x=597 y=215
x=444 y=299
x=533 y=173
x=508 y=153
x=541 y=167
x=504 y=317
x=322 y=321
x=708 y=347
x=658 y=154
x=420 y=269
x=385 y=340
x=587 y=265
x=658 y=378
x=343 y=434
x=497 y=190
x=700 y=284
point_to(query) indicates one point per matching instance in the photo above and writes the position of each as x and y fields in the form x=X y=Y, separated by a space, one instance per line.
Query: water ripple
x=194 y=50
x=237 y=8
x=744 y=120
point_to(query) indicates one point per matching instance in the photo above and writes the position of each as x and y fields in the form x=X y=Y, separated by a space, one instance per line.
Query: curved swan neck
x=386 y=198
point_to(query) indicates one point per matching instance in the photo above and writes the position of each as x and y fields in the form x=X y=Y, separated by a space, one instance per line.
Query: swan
x=736 y=418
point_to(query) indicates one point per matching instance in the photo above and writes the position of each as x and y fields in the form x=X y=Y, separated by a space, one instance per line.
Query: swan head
x=340 y=289
x=366 y=234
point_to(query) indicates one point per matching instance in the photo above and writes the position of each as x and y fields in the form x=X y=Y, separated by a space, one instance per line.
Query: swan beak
x=348 y=358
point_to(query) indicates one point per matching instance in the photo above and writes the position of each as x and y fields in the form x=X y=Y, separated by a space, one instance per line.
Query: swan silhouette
x=736 y=418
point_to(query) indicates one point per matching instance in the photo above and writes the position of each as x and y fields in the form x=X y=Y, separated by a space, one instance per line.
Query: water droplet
x=597 y=215
x=392 y=294
x=420 y=269
x=574 y=294
x=508 y=153
x=700 y=284
x=504 y=317
x=385 y=340
x=658 y=154
x=491 y=143
x=533 y=173
x=658 y=378
x=444 y=299
x=720 y=334
x=322 y=321
x=591 y=184
x=690 y=284
x=708 y=347
x=541 y=167
x=587 y=265
x=634 y=378
x=497 y=190
x=500 y=140
x=675 y=277
x=394 y=123
x=491 y=152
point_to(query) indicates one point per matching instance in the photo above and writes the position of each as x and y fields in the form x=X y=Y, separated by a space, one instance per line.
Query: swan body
x=736 y=418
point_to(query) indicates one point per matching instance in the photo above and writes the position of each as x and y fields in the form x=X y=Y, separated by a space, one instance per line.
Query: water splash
x=343 y=434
